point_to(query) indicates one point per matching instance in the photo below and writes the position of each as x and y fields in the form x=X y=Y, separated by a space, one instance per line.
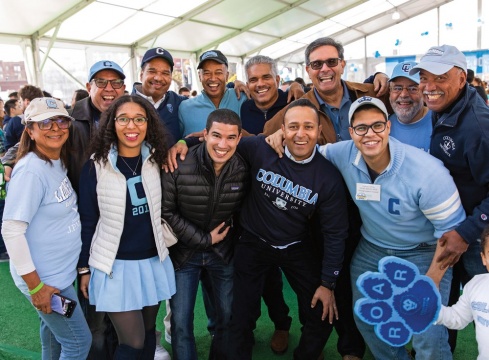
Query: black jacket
x=195 y=202
x=80 y=136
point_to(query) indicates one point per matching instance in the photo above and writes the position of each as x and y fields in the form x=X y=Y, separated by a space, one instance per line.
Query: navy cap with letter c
x=157 y=53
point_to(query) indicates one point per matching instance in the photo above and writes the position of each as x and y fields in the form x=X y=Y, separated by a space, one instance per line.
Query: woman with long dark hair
x=124 y=260
x=41 y=228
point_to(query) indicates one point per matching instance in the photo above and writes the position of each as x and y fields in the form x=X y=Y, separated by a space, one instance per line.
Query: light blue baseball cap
x=105 y=65
x=440 y=59
x=402 y=70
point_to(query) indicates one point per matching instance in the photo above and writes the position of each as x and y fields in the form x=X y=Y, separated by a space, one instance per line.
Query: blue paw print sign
x=398 y=301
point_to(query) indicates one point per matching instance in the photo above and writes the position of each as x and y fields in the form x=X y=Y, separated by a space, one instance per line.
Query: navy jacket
x=168 y=112
x=13 y=131
x=461 y=140
x=253 y=119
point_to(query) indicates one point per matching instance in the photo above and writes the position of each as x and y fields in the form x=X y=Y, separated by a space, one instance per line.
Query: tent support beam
x=51 y=43
x=252 y=25
x=177 y=21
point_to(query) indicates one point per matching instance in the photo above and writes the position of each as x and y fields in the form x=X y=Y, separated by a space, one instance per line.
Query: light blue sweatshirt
x=193 y=113
x=418 y=198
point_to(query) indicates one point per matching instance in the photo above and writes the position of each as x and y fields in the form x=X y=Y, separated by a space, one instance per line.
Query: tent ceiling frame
x=353 y=27
x=185 y=17
x=294 y=32
x=68 y=13
x=248 y=27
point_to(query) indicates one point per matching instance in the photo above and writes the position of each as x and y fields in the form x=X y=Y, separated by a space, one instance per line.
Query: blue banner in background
x=478 y=61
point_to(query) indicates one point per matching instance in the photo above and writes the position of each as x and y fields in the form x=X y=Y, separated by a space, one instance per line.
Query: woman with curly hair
x=124 y=260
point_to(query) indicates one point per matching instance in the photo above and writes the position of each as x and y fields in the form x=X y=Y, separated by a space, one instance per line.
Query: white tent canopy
x=277 y=28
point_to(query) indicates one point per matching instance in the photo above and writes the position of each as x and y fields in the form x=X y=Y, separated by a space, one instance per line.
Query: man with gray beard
x=411 y=121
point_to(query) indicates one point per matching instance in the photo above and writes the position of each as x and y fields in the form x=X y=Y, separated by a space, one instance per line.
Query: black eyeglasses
x=63 y=123
x=412 y=89
x=102 y=83
x=377 y=127
x=318 y=64
x=124 y=121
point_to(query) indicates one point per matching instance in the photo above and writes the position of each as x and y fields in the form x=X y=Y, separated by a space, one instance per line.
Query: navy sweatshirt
x=285 y=195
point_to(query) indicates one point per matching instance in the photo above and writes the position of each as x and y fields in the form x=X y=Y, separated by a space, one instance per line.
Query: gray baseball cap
x=366 y=100
x=440 y=59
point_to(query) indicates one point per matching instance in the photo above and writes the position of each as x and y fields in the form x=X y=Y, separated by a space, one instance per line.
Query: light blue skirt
x=134 y=285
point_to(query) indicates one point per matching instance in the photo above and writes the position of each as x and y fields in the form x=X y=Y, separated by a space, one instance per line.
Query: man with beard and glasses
x=411 y=121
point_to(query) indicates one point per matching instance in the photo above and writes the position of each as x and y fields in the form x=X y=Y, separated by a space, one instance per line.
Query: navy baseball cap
x=105 y=65
x=215 y=55
x=157 y=53
x=402 y=70
x=440 y=59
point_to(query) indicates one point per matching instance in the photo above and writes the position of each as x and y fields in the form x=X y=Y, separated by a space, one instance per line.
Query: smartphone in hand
x=62 y=305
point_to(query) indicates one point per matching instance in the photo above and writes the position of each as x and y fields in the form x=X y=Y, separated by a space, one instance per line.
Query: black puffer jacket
x=195 y=201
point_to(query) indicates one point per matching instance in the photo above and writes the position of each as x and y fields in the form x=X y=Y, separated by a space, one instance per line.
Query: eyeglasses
x=377 y=127
x=124 y=121
x=63 y=123
x=412 y=89
x=102 y=83
x=318 y=64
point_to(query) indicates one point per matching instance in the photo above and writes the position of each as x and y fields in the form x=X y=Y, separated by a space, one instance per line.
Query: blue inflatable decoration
x=398 y=301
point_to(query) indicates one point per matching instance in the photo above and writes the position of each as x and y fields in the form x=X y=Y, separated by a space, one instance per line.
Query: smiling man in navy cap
x=213 y=74
x=156 y=77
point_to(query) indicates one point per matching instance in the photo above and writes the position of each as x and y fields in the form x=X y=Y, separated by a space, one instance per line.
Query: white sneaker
x=161 y=353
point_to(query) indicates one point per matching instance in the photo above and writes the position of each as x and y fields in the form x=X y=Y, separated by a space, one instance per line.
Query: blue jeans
x=432 y=344
x=182 y=303
x=63 y=338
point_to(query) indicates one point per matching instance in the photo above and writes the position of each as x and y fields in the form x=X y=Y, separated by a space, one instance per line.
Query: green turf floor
x=19 y=329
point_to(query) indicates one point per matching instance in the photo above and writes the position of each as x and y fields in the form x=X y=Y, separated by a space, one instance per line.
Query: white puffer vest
x=111 y=195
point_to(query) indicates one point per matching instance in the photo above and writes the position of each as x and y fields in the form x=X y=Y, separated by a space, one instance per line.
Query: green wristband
x=182 y=141
x=37 y=288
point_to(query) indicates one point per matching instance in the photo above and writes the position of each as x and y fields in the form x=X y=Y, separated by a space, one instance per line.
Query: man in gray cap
x=411 y=121
x=460 y=139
